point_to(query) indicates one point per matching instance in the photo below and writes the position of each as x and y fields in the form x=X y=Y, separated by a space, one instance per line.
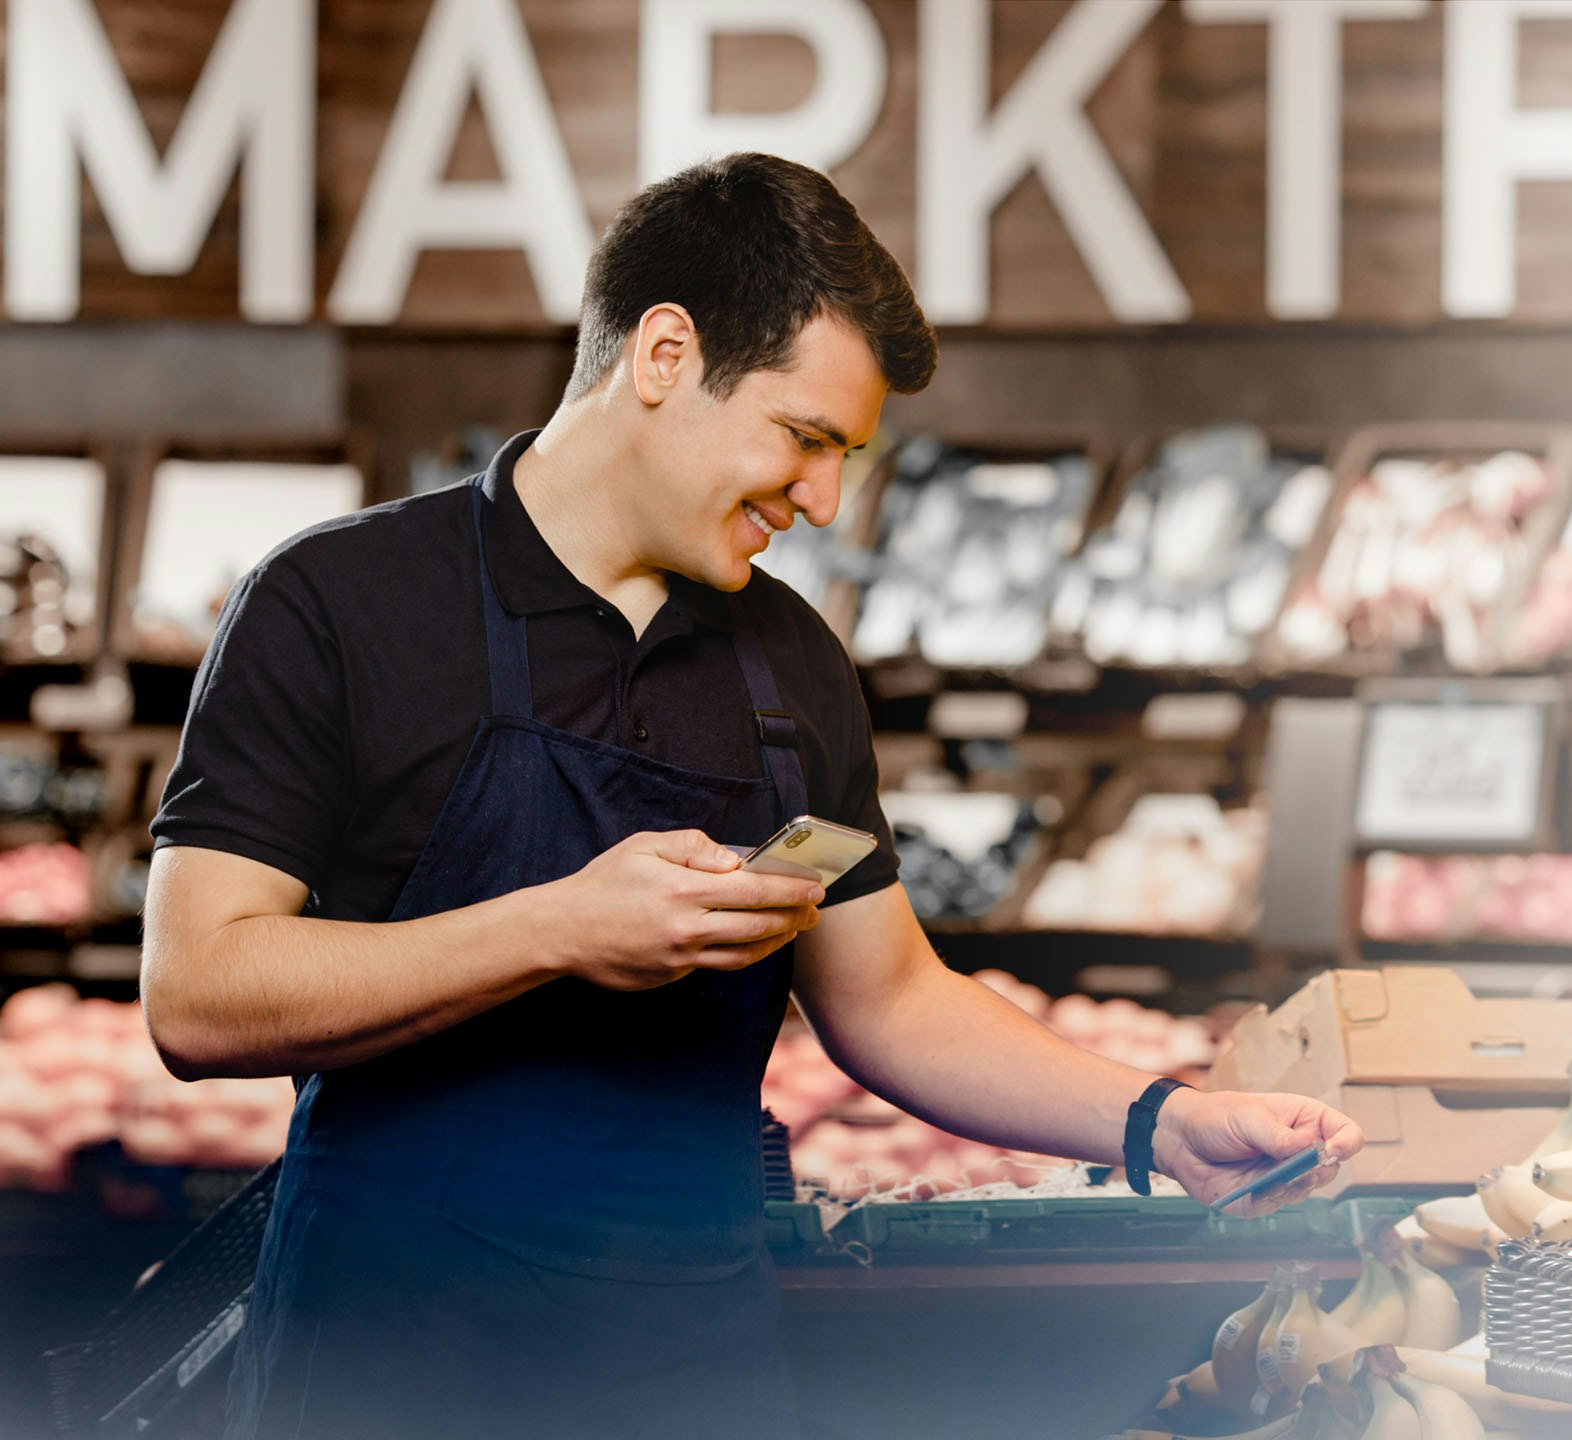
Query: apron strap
x=776 y=729
x=507 y=644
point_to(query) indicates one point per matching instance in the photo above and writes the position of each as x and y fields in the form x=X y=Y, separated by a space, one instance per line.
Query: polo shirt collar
x=528 y=576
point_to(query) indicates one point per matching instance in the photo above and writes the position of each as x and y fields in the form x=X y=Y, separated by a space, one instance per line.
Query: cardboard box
x=1445 y=1085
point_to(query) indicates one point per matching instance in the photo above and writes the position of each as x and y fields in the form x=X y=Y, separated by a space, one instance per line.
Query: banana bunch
x=1432 y=1318
x=1263 y=1355
x=1388 y=1392
x=1317 y=1418
x=1266 y=1353
x=1297 y=1337
x=1553 y=1174
x=1432 y=1395
x=1524 y=1205
x=1462 y=1222
x=1434 y=1253
x=1376 y=1309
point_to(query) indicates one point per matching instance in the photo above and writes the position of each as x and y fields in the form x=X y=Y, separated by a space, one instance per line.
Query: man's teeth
x=758 y=519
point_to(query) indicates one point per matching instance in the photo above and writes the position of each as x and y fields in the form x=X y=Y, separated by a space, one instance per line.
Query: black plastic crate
x=792 y=1226
x=1172 y=1225
x=150 y=1364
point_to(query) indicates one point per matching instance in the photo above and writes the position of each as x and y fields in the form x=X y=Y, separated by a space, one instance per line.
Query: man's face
x=729 y=473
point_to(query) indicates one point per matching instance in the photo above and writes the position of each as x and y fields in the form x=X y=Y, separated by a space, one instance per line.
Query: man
x=447 y=840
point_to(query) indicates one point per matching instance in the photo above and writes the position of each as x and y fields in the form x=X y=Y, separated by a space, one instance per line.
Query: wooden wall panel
x=1183 y=114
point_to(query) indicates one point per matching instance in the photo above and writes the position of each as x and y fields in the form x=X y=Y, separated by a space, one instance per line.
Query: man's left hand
x=1214 y=1141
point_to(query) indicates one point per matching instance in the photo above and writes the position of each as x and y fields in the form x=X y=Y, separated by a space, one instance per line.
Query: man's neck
x=578 y=518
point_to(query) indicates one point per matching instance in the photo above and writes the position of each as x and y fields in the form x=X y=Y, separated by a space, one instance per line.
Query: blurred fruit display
x=461 y=454
x=1424 y=555
x=34 y=786
x=960 y=852
x=853 y=1144
x=34 y=583
x=44 y=884
x=1177 y=865
x=969 y=554
x=77 y=1072
x=1522 y=898
x=1542 y=628
x=1194 y=565
x=51 y=529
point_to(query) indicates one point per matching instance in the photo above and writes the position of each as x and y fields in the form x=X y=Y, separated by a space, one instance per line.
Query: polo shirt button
x=640 y=733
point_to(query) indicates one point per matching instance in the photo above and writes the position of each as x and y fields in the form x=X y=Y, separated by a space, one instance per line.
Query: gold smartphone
x=811 y=849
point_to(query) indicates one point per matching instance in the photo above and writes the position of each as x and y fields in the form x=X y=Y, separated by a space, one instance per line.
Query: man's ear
x=665 y=352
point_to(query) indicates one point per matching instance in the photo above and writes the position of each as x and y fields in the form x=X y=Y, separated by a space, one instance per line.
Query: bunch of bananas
x=1389 y=1361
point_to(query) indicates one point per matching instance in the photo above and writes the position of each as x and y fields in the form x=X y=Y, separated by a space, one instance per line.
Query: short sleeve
x=264 y=769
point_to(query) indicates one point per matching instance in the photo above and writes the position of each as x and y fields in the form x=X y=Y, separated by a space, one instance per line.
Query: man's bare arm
x=235 y=981
x=945 y=1048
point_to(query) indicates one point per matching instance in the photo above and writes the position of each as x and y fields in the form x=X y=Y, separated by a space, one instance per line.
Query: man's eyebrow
x=823 y=426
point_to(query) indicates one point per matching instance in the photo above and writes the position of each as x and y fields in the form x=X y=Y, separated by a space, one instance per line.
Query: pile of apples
x=854 y=1144
x=77 y=1072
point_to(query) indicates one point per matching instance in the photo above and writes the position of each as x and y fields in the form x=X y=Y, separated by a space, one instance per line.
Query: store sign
x=69 y=110
x=1452 y=776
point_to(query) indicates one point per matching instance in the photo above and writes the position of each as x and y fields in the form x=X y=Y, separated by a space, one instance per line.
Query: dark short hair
x=753 y=247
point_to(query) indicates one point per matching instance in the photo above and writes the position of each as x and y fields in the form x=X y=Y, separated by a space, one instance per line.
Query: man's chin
x=729 y=582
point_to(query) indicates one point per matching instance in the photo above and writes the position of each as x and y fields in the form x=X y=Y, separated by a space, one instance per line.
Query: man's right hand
x=663 y=904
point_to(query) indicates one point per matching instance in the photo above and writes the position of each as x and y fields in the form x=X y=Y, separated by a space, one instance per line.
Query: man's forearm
x=965 y=1059
x=282 y=994
x=948 y=1049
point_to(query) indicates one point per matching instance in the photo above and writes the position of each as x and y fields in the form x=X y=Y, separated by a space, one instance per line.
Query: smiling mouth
x=758 y=520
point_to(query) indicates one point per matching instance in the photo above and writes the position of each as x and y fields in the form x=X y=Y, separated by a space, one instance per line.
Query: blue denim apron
x=546 y=1220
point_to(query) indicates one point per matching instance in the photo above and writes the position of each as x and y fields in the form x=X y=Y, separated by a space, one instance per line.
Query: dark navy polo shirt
x=338 y=698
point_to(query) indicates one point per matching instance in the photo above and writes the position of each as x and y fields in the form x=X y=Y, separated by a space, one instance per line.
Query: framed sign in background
x=1458 y=767
x=203 y=514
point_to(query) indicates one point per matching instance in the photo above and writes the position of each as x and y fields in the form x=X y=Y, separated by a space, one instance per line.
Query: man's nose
x=817 y=494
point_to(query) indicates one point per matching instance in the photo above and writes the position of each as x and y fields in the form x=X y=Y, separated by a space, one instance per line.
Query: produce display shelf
x=1189 y=973
x=1470 y=947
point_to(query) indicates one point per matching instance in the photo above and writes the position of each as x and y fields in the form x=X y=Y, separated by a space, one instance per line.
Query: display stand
x=1440 y=767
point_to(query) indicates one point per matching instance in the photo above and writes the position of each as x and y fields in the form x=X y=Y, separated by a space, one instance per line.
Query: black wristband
x=1139 y=1126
